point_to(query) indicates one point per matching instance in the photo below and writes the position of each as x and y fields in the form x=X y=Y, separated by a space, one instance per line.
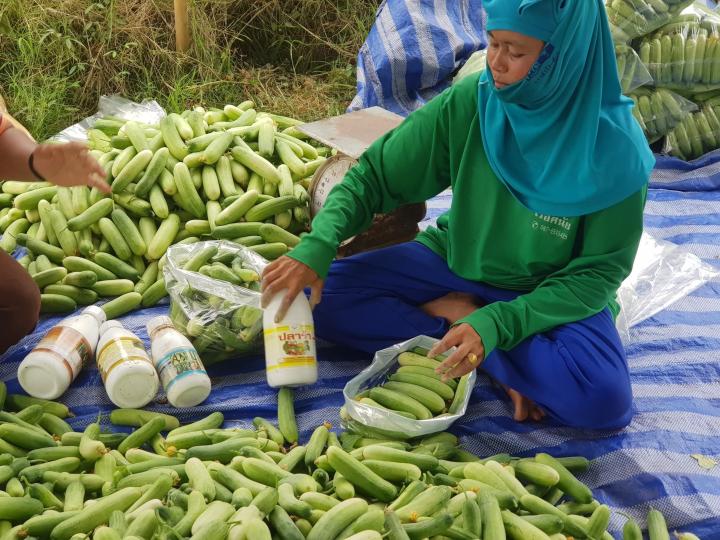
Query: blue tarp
x=675 y=367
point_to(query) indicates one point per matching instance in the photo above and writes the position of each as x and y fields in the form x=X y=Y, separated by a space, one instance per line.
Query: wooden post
x=182 y=30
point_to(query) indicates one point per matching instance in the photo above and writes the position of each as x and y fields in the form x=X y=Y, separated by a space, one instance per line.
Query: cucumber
x=256 y=163
x=211 y=184
x=152 y=173
x=131 y=171
x=187 y=193
x=95 y=515
x=55 y=303
x=129 y=231
x=272 y=233
x=268 y=209
x=116 y=266
x=49 y=276
x=115 y=238
x=65 y=237
x=77 y=264
x=519 y=528
x=360 y=476
x=286 y=414
x=122 y=305
x=217 y=147
x=136 y=135
x=335 y=520
x=30 y=200
x=657 y=527
x=426 y=528
x=122 y=159
x=270 y=251
x=173 y=141
x=396 y=401
x=164 y=237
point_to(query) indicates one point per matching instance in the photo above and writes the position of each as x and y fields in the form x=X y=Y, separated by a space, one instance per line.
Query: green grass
x=60 y=56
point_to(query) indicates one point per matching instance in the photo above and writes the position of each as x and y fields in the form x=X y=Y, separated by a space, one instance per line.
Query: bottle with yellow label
x=125 y=367
x=290 y=357
x=61 y=354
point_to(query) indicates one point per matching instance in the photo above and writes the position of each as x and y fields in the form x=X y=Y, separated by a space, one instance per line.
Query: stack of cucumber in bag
x=677 y=88
x=204 y=481
x=233 y=173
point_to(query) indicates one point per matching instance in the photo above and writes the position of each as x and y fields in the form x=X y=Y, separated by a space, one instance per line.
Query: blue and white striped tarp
x=674 y=359
x=413 y=49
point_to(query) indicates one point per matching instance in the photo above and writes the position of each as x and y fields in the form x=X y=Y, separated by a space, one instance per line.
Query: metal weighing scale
x=351 y=134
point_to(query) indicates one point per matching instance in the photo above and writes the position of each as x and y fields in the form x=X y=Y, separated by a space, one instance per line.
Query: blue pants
x=577 y=372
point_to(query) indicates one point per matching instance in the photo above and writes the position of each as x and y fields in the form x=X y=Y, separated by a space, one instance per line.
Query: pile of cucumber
x=658 y=111
x=633 y=18
x=164 y=481
x=218 y=325
x=684 y=54
x=232 y=173
x=414 y=390
x=676 y=106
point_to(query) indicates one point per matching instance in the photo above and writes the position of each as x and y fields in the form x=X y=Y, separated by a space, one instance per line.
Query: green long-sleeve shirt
x=568 y=268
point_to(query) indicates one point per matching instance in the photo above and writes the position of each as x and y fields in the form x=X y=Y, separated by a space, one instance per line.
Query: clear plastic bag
x=632 y=72
x=659 y=110
x=662 y=274
x=477 y=62
x=634 y=18
x=375 y=422
x=685 y=54
x=222 y=319
x=698 y=134
x=148 y=112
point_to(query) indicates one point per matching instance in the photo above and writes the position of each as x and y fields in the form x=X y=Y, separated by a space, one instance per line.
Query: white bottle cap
x=43 y=375
x=189 y=391
x=107 y=325
x=132 y=385
x=156 y=322
x=96 y=312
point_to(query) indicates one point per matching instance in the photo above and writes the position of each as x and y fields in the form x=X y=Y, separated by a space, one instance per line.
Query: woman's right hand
x=287 y=273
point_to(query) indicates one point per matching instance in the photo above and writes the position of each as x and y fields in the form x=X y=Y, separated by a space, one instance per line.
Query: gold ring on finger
x=472 y=358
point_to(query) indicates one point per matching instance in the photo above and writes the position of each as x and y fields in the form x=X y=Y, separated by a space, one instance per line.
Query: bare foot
x=451 y=307
x=524 y=407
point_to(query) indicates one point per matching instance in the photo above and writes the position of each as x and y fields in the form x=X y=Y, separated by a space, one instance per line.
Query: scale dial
x=330 y=174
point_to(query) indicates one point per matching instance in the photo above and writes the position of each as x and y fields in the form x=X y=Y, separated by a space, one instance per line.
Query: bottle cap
x=158 y=322
x=96 y=312
x=107 y=325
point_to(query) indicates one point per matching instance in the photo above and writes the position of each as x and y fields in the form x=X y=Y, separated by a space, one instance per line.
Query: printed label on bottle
x=67 y=346
x=290 y=345
x=179 y=363
x=120 y=350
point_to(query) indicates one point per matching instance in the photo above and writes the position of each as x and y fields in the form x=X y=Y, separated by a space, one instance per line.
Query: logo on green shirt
x=552 y=225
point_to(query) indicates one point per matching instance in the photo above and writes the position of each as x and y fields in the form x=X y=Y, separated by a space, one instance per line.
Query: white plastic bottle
x=55 y=362
x=125 y=367
x=290 y=357
x=182 y=373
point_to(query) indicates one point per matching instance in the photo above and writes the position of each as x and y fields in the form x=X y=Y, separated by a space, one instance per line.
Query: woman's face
x=511 y=55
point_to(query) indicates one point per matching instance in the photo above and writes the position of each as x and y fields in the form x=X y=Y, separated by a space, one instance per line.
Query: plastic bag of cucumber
x=400 y=395
x=214 y=288
x=165 y=481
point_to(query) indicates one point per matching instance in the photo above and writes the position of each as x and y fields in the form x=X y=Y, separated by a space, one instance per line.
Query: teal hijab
x=563 y=140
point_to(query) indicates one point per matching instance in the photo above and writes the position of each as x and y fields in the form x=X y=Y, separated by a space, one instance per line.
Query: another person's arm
x=610 y=239
x=64 y=164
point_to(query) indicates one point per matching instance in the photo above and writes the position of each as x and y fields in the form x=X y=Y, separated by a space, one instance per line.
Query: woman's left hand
x=469 y=354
